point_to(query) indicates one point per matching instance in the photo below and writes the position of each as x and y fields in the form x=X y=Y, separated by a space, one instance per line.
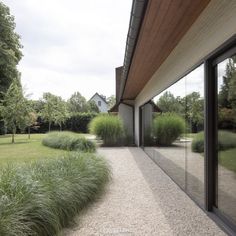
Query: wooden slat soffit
x=165 y=23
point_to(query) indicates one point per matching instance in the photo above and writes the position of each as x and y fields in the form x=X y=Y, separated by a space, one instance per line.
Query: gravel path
x=141 y=200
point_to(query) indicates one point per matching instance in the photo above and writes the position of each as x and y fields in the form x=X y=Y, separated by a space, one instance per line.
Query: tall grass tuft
x=167 y=128
x=109 y=128
x=68 y=141
x=42 y=197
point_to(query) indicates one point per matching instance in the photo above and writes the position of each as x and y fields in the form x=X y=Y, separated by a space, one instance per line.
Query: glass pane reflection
x=171 y=123
x=226 y=194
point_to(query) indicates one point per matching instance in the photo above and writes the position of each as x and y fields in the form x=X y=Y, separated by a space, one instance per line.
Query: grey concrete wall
x=148 y=111
x=126 y=114
x=215 y=25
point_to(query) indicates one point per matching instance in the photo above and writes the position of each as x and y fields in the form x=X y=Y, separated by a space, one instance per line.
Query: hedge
x=77 y=122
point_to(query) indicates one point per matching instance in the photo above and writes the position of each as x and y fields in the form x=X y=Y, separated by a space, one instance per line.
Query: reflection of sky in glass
x=193 y=82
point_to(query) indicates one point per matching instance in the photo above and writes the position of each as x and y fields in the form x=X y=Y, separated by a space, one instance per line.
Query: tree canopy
x=77 y=103
x=169 y=103
x=10 y=49
x=111 y=101
x=190 y=107
x=54 y=110
x=13 y=108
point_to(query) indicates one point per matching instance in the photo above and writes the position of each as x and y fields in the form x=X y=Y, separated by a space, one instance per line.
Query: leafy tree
x=13 y=108
x=61 y=113
x=231 y=71
x=227 y=96
x=49 y=110
x=54 y=110
x=10 y=49
x=37 y=105
x=194 y=110
x=92 y=107
x=228 y=81
x=30 y=120
x=111 y=101
x=168 y=103
x=77 y=103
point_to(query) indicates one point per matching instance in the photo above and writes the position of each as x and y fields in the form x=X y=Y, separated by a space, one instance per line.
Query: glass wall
x=172 y=128
x=226 y=184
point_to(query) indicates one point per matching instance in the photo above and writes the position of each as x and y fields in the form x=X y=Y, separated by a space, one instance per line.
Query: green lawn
x=228 y=159
x=24 y=149
x=189 y=135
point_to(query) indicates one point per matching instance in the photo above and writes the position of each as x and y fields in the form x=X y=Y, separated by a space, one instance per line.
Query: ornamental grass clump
x=167 y=128
x=226 y=140
x=109 y=128
x=42 y=197
x=68 y=141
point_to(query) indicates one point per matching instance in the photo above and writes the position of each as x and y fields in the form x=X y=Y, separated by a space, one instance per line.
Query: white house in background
x=100 y=102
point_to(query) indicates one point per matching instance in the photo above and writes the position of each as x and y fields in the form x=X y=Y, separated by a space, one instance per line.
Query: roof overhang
x=161 y=27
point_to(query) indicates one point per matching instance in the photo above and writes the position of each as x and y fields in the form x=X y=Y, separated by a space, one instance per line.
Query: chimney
x=118 y=81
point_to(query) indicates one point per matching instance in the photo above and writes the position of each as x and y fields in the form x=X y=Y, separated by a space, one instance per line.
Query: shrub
x=167 y=128
x=68 y=141
x=109 y=128
x=226 y=140
x=42 y=197
x=198 y=143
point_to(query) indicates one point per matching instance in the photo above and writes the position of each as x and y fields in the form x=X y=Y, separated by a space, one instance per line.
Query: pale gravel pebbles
x=141 y=200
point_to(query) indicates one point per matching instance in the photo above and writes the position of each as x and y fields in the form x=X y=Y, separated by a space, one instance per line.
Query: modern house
x=186 y=49
x=100 y=102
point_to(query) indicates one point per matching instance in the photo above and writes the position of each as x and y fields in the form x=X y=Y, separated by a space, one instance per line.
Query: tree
x=227 y=96
x=37 y=105
x=13 y=108
x=10 y=53
x=194 y=110
x=232 y=82
x=30 y=120
x=111 y=101
x=10 y=49
x=49 y=110
x=77 y=103
x=54 y=110
x=92 y=107
x=223 y=97
x=61 y=112
x=168 y=103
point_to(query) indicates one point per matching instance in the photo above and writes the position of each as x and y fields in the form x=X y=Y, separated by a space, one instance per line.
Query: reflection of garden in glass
x=168 y=134
x=226 y=190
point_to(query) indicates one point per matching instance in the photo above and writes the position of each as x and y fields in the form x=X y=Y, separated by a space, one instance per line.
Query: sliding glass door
x=226 y=138
x=189 y=130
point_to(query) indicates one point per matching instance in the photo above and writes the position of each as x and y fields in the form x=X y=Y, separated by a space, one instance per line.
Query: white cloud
x=71 y=45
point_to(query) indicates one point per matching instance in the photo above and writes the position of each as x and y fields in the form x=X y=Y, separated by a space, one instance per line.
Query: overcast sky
x=71 y=45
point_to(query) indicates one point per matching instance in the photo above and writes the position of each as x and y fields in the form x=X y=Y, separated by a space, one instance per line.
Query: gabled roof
x=99 y=96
